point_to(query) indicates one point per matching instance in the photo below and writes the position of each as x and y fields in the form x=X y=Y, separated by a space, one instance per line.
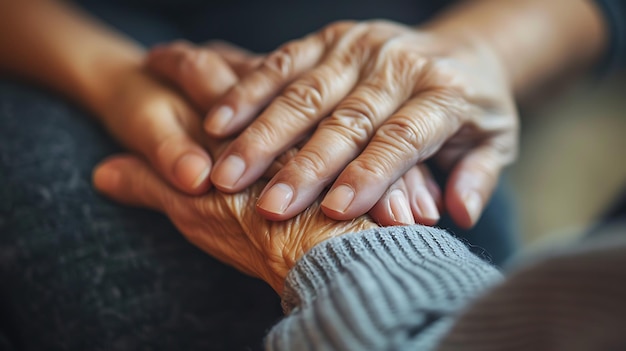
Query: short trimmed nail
x=339 y=199
x=400 y=207
x=473 y=205
x=276 y=199
x=192 y=170
x=228 y=172
x=107 y=178
x=219 y=119
x=427 y=206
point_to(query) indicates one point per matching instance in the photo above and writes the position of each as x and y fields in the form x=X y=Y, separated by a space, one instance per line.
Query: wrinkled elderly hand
x=224 y=225
x=203 y=84
x=369 y=101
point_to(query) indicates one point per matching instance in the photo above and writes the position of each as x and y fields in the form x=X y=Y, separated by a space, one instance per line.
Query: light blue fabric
x=394 y=288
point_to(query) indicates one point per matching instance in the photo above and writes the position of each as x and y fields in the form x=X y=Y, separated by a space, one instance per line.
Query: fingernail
x=192 y=170
x=107 y=178
x=276 y=199
x=427 y=206
x=473 y=205
x=339 y=199
x=228 y=172
x=400 y=207
x=219 y=119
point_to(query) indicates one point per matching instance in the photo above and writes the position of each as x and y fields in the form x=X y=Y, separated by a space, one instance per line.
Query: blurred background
x=571 y=163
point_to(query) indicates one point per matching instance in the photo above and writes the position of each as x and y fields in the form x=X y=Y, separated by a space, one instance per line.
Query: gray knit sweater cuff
x=381 y=289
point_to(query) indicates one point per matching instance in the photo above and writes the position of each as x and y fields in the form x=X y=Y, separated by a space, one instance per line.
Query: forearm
x=58 y=46
x=538 y=41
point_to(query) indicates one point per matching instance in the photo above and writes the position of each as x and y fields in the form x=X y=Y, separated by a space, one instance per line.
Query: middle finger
x=337 y=141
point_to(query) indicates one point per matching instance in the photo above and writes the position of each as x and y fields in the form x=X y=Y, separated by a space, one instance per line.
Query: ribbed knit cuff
x=386 y=288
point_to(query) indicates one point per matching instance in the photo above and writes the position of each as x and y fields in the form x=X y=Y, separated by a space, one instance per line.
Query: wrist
x=468 y=44
x=311 y=228
x=100 y=79
x=538 y=42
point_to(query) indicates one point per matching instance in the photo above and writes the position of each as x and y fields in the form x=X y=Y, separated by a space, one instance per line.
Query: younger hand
x=150 y=117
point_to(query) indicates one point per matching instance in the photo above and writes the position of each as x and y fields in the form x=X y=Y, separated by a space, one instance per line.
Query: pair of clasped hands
x=336 y=124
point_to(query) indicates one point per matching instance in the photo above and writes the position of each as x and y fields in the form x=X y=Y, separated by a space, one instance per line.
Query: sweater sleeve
x=614 y=12
x=396 y=288
x=572 y=300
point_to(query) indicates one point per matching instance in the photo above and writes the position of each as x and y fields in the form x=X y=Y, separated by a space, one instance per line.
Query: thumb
x=129 y=180
x=472 y=182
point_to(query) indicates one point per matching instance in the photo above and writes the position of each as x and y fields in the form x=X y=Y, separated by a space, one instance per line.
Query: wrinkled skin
x=226 y=226
x=403 y=200
x=368 y=101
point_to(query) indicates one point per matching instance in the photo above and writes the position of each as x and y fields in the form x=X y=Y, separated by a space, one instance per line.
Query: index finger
x=246 y=99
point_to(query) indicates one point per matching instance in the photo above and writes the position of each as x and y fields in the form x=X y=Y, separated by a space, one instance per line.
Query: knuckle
x=305 y=96
x=280 y=63
x=376 y=168
x=410 y=65
x=363 y=110
x=354 y=127
x=401 y=67
x=448 y=98
x=312 y=165
x=406 y=133
x=354 y=47
x=259 y=139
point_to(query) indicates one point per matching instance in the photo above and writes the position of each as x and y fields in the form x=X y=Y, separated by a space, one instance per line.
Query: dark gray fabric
x=568 y=300
x=80 y=273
